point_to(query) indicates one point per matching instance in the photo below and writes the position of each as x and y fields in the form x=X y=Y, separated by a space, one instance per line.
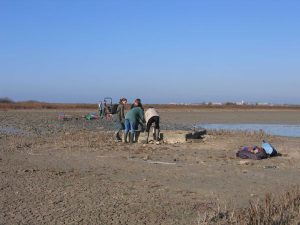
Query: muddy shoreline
x=71 y=172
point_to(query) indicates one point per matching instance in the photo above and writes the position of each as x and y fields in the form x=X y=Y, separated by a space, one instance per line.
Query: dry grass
x=45 y=105
x=245 y=133
x=282 y=209
x=229 y=107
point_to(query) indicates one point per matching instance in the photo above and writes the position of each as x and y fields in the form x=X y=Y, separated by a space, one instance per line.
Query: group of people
x=135 y=120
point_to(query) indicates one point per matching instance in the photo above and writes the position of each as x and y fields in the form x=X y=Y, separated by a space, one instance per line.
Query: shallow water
x=272 y=129
x=11 y=130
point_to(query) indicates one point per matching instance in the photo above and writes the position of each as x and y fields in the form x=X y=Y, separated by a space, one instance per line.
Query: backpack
x=255 y=153
x=270 y=150
x=114 y=108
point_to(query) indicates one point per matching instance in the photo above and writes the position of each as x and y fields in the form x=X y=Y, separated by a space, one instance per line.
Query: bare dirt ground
x=71 y=172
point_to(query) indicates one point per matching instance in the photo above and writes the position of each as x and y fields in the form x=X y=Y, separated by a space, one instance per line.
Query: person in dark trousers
x=119 y=119
x=101 y=109
x=151 y=117
x=132 y=118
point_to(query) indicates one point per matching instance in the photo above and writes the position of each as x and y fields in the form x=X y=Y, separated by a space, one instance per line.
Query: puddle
x=11 y=130
x=272 y=129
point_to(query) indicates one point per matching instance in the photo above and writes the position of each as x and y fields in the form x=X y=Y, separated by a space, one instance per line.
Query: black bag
x=269 y=149
x=114 y=108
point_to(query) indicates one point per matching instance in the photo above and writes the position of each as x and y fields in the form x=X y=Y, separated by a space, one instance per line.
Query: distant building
x=240 y=103
x=262 y=103
x=217 y=103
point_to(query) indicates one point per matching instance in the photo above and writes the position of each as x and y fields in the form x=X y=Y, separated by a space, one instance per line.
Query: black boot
x=125 y=137
x=153 y=134
x=131 y=138
x=116 y=136
x=157 y=135
x=147 y=139
x=136 y=136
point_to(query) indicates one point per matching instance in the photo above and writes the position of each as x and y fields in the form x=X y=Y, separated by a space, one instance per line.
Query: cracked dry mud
x=71 y=172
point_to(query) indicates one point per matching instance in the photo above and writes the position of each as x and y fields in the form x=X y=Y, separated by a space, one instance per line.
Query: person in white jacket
x=151 y=116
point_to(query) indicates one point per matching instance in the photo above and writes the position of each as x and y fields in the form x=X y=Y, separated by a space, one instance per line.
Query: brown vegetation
x=45 y=105
x=282 y=209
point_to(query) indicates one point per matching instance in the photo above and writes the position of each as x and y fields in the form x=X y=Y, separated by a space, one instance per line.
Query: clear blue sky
x=160 y=51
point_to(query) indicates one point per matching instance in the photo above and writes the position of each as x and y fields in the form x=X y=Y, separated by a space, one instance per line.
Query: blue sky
x=159 y=51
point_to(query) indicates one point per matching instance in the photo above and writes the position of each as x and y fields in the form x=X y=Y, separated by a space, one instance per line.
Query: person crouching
x=132 y=119
x=152 y=116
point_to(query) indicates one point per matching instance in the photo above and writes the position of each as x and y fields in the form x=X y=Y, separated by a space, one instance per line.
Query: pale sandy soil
x=71 y=172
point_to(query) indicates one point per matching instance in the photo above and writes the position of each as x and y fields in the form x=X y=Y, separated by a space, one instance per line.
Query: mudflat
x=72 y=172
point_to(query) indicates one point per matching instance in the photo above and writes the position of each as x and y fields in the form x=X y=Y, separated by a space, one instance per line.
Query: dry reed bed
x=45 y=105
x=244 y=133
x=282 y=208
